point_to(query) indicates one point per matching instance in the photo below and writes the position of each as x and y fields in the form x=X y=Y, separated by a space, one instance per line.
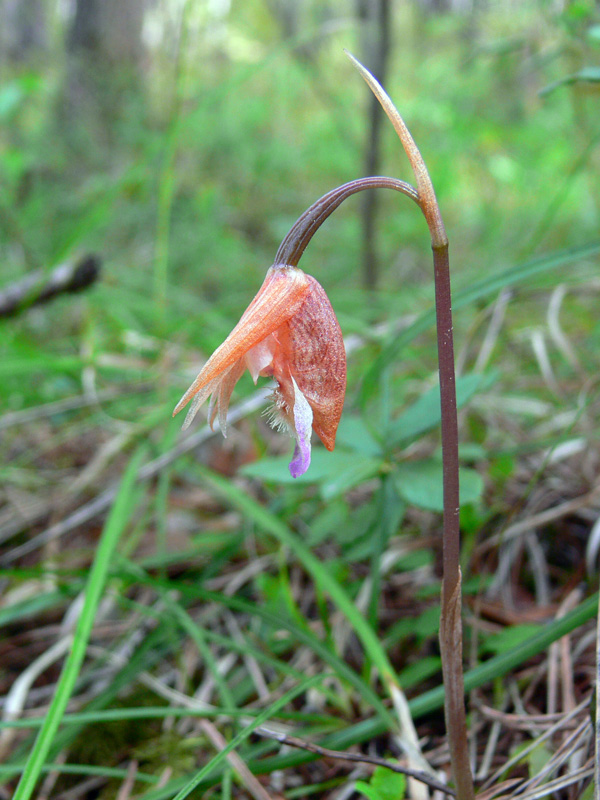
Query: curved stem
x=305 y=227
x=427 y=199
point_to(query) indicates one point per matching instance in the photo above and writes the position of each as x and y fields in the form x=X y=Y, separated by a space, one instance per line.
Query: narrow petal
x=197 y=402
x=226 y=385
x=303 y=418
x=278 y=299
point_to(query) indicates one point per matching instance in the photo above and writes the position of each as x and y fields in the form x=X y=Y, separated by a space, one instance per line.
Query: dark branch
x=40 y=287
x=292 y=741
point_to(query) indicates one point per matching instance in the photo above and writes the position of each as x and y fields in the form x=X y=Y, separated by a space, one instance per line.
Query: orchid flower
x=289 y=332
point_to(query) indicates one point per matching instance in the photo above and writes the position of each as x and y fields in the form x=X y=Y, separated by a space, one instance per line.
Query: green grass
x=115 y=525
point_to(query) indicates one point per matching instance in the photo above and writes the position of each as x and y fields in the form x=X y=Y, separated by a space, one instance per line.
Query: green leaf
x=390 y=785
x=593 y=33
x=335 y=472
x=508 y=638
x=585 y=75
x=353 y=434
x=355 y=470
x=589 y=74
x=384 y=785
x=11 y=96
x=367 y=790
x=33 y=605
x=421 y=670
x=426 y=414
x=275 y=470
x=420 y=484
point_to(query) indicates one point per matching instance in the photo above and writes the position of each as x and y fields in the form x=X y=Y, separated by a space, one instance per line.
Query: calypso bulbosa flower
x=290 y=333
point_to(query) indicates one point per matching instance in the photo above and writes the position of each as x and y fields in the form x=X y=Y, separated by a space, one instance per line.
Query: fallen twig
x=360 y=758
x=40 y=287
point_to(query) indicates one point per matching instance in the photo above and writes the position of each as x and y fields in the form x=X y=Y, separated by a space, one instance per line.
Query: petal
x=313 y=348
x=278 y=299
x=226 y=385
x=303 y=418
x=259 y=359
x=197 y=402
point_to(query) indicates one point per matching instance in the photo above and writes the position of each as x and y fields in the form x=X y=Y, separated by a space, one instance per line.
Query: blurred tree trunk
x=445 y=6
x=287 y=13
x=376 y=22
x=295 y=17
x=23 y=29
x=108 y=30
x=104 y=53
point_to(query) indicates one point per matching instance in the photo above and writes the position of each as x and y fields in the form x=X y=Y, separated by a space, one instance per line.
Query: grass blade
x=243 y=734
x=113 y=529
x=322 y=576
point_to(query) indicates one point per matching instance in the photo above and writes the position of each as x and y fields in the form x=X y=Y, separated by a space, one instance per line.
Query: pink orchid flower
x=290 y=333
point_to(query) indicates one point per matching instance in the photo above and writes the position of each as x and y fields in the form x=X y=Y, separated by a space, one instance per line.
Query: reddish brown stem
x=309 y=223
x=451 y=619
x=450 y=623
x=445 y=342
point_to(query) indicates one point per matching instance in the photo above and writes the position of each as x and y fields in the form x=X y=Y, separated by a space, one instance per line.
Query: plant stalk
x=451 y=617
x=450 y=622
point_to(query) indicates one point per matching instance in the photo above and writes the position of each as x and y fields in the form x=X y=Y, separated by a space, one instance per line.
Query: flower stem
x=289 y=253
x=305 y=227
x=450 y=622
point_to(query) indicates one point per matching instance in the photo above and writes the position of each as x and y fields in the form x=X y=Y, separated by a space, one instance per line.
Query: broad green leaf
x=275 y=470
x=367 y=790
x=425 y=414
x=390 y=785
x=335 y=472
x=356 y=470
x=384 y=785
x=353 y=434
x=420 y=484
